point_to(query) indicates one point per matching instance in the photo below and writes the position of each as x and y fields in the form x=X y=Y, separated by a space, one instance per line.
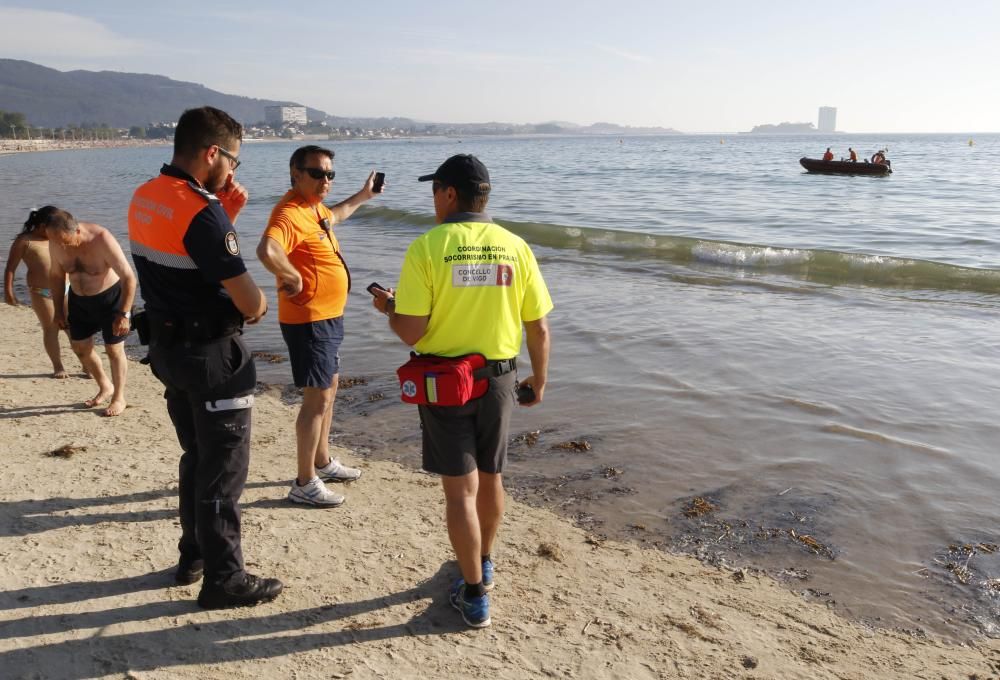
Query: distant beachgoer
x=299 y=247
x=441 y=311
x=102 y=287
x=828 y=156
x=854 y=154
x=32 y=246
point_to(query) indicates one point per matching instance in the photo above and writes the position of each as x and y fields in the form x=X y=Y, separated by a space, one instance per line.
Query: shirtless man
x=102 y=287
x=32 y=247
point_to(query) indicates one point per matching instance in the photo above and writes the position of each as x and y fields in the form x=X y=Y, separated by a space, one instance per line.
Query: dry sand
x=88 y=543
x=8 y=146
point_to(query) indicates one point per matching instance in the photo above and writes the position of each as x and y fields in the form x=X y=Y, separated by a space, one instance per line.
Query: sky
x=701 y=66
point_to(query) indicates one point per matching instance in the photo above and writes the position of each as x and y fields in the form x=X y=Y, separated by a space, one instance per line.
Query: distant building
x=827 y=119
x=280 y=115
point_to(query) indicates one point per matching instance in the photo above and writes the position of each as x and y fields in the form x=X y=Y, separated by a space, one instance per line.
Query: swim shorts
x=91 y=313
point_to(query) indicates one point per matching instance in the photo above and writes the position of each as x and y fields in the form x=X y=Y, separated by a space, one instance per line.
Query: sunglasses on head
x=318 y=173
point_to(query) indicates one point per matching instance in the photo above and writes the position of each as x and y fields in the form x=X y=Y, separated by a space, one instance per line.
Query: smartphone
x=525 y=394
x=379 y=182
x=372 y=287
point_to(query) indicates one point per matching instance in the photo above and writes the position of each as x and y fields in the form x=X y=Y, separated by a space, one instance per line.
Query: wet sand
x=88 y=543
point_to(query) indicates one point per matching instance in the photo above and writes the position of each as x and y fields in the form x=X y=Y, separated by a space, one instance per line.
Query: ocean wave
x=828 y=267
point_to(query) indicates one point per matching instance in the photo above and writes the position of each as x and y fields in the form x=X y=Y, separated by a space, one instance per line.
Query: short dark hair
x=204 y=127
x=50 y=217
x=299 y=156
x=471 y=201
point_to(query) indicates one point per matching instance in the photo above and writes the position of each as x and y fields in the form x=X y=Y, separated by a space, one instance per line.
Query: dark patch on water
x=706 y=523
x=968 y=572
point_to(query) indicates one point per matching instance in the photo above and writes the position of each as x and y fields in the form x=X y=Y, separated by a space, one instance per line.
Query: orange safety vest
x=159 y=216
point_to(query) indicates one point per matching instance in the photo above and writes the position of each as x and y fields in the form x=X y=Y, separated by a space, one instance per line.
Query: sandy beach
x=8 y=146
x=88 y=545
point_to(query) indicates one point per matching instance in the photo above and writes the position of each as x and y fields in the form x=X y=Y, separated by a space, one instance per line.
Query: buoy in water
x=971 y=143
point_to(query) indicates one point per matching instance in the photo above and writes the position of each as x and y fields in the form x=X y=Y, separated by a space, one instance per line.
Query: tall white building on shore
x=278 y=115
x=827 y=119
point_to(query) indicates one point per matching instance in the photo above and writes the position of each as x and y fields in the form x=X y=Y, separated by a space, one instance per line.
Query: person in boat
x=854 y=155
x=828 y=156
x=878 y=158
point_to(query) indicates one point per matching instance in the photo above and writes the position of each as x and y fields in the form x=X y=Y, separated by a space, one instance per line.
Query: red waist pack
x=442 y=381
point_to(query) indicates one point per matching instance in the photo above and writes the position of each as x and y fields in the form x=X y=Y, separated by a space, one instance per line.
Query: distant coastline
x=11 y=146
x=785 y=129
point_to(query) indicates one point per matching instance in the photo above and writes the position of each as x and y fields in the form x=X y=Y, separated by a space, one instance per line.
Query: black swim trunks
x=91 y=313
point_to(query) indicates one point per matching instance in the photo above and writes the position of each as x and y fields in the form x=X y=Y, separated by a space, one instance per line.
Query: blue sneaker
x=487 y=575
x=475 y=610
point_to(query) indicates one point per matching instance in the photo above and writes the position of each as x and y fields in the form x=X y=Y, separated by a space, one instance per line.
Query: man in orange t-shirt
x=300 y=249
x=828 y=156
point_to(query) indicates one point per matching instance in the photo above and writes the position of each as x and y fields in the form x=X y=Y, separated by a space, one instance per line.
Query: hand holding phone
x=525 y=393
x=372 y=287
x=378 y=182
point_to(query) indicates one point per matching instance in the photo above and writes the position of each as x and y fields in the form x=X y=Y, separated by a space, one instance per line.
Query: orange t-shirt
x=828 y=156
x=314 y=252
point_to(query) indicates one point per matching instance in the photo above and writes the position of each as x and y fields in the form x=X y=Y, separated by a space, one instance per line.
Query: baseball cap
x=463 y=171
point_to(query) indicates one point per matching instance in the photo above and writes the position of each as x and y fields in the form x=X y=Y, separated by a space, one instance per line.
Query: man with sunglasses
x=198 y=295
x=299 y=247
x=467 y=286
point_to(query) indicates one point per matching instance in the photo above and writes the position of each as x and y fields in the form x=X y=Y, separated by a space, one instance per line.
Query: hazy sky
x=699 y=66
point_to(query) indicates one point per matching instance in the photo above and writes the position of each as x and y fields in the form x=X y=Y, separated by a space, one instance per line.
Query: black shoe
x=247 y=592
x=189 y=571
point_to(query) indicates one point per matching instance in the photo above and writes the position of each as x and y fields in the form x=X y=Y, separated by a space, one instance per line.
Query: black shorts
x=458 y=440
x=91 y=313
x=314 y=350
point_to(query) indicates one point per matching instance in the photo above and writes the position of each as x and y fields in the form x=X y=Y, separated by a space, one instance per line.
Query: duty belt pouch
x=140 y=322
x=442 y=381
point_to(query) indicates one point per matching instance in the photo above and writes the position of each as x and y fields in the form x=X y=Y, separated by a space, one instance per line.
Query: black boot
x=243 y=592
x=189 y=571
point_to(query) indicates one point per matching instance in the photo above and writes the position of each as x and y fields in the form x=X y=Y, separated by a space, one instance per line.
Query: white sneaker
x=314 y=492
x=335 y=472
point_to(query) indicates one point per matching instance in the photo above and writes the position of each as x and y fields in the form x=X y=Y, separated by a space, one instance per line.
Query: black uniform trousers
x=209 y=398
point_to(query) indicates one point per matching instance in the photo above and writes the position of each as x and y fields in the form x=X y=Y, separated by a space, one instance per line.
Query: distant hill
x=51 y=98
x=613 y=129
x=785 y=128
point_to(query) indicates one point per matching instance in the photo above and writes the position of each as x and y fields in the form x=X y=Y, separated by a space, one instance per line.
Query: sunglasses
x=317 y=173
x=235 y=160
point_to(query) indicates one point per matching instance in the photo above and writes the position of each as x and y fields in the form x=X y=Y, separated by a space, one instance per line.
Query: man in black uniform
x=198 y=294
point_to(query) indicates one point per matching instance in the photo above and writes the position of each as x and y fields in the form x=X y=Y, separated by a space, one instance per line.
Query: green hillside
x=51 y=98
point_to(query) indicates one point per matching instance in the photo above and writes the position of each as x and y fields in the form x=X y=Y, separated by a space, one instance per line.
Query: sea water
x=814 y=356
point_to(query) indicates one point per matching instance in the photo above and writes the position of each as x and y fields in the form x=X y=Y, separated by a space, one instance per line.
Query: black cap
x=463 y=171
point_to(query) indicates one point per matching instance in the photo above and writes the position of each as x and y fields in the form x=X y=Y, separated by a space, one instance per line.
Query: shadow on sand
x=196 y=641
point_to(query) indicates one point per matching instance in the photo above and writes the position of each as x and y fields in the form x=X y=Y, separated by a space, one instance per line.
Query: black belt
x=496 y=368
x=170 y=331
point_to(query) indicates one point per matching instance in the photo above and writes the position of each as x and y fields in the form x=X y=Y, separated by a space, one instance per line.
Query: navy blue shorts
x=314 y=350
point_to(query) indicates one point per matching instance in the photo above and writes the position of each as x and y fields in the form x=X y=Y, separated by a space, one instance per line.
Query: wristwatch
x=126 y=315
x=389 y=301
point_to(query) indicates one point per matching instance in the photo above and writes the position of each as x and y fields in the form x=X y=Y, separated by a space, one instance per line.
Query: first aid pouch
x=443 y=381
